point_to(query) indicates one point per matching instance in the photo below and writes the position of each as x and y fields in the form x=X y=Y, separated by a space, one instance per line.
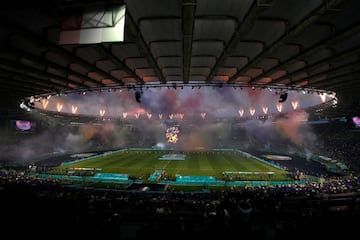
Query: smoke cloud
x=207 y=118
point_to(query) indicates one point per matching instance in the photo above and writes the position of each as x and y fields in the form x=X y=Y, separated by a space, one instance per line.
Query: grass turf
x=142 y=163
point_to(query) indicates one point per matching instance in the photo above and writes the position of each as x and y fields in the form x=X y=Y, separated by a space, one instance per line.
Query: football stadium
x=180 y=119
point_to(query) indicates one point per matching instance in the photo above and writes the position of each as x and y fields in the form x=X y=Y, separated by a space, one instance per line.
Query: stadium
x=180 y=119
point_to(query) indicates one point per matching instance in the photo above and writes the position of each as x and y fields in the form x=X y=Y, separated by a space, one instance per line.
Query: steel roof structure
x=66 y=45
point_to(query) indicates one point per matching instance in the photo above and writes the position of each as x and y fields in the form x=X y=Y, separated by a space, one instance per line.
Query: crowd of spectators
x=326 y=209
x=338 y=141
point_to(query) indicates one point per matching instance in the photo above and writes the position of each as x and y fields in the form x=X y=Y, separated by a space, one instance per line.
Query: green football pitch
x=142 y=163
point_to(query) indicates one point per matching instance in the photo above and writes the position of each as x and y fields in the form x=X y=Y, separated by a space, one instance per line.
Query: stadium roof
x=70 y=45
